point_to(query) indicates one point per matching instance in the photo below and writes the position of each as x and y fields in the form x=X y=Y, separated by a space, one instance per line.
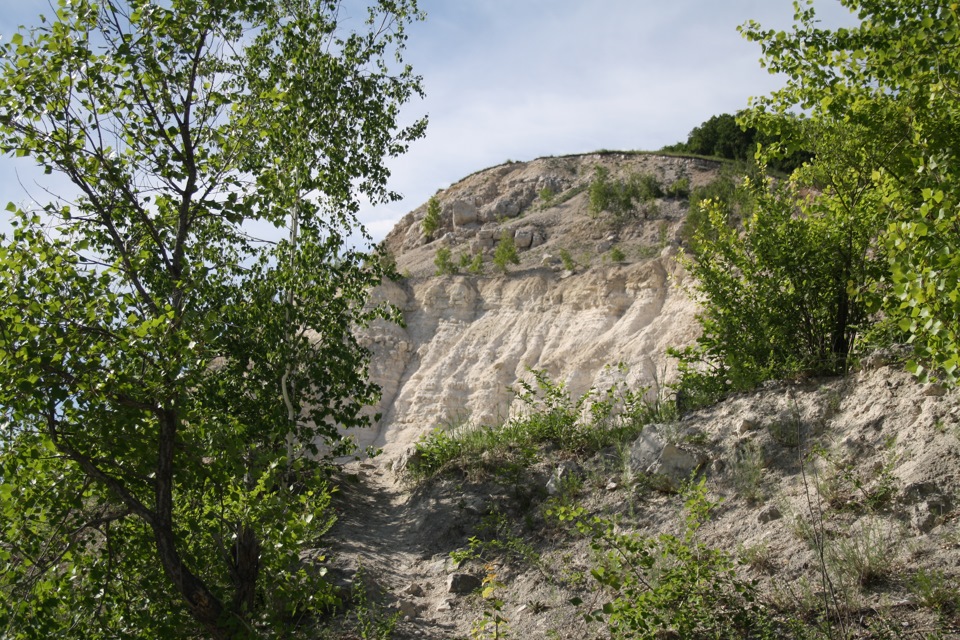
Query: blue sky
x=520 y=79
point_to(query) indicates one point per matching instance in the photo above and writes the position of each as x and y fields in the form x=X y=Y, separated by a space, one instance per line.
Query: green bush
x=724 y=189
x=568 y=262
x=506 y=252
x=546 y=197
x=625 y=198
x=444 y=262
x=783 y=297
x=473 y=265
x=881 y=85
x=431 y=220
x=617 y=254
x=580 y=426
x=679 y=188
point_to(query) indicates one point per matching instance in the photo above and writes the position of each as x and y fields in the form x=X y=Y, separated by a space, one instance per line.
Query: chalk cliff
x=590 y=291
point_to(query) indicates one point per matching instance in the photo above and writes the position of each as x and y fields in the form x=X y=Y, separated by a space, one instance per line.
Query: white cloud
x=518 y=79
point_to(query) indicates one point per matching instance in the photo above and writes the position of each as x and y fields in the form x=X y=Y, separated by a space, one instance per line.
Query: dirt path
x=394 y=538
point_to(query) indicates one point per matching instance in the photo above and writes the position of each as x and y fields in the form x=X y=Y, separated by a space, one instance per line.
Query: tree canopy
x=169 y=384
x=858 y=247
x=889 y=83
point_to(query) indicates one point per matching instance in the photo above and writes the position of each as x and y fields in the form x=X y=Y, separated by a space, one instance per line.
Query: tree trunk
x=203 y=605
x=246 y=570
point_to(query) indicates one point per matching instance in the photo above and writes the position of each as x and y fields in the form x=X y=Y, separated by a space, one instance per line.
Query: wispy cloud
x=520 y=79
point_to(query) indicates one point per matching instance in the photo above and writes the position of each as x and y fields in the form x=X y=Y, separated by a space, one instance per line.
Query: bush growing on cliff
x=669 y=584
x=725 y=189
x=579 y=426
x=886 y=76
x=431 y=220
x=443 y=261
x=506 y=252
x=623 y=198
x=784 y=296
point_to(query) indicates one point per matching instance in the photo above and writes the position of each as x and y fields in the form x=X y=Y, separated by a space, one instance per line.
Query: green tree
x=431 y=220
x=722 y=136
x=783 y=293
x=168 y=385
x=506 y=252
x=736 y=138
x=890 y=76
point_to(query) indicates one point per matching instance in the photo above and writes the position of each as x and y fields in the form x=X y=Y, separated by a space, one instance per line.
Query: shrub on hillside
x=431 y=221
x=782 y=296
x=506 y=252
x=623 y=198
x=444 y=262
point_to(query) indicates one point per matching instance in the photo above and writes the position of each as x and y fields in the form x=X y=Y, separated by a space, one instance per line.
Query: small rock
x=462 y=583
x=564 y=470
x=409 y=609
x=769 y=514
x=747 y=425
x=929 y=513
x=935 y=391
x=611 y=486
x=523 y=238
x=916 y=492
x=413 y=589
x=463 y=213
x=446 y=605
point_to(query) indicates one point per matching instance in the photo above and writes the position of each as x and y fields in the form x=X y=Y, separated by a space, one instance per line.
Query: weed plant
x=549 y=416
x=496 y=540
x=934 y=590
x=492 y=624
x=747 y=473
x=373 y=621
x=866 y=557
x=670 y=584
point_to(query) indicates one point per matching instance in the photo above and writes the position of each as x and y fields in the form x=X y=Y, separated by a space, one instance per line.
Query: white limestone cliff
x=469 y=338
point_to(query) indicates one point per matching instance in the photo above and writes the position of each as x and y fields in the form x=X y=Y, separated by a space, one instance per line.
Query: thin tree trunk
x=246 y=570
x=205 y=607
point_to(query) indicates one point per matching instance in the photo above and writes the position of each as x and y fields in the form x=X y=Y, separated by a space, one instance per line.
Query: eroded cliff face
x=469 y=338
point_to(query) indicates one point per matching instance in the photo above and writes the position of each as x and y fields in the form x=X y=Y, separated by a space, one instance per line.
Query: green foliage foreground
x=858 y=248
x=670 y=583
x=885 y=86
x=166 y=383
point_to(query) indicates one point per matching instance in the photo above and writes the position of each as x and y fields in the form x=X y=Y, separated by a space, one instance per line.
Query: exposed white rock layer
x=469 y=338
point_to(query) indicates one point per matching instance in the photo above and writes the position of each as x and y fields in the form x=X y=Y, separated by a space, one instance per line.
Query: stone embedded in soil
x=410 y=609
x=462 y=583
x=769 y=514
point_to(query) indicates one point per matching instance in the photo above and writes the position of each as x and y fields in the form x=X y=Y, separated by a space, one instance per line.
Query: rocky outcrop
x=468 y=338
